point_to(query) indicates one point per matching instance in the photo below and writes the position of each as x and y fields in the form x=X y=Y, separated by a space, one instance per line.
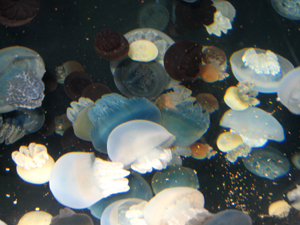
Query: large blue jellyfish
x=267 y=162
x=113 y=109
x=19 y=123
x=21 y=75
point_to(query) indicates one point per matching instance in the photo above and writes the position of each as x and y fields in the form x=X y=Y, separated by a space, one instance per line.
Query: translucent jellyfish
x=77 y=114
x=263 y=68
x=67 y=68
x=137 y=79
x=140 y=144
x=78 y=179
x=174 y=176
x=143 y=51
x=21 y=75
x=231 y=216
x=112 y=110
x=154 y=16
x=202 y=151
x=34 y=164
x=208 y=102
x=18 y=123
x=279 y=209
x=242 y=96
x=175 y=205
x=69 y=217
x=139 y=188
x=289 y=91
x=233 y=145
x=115 y=213
x=36 y=217
x=289 y=9
x=186 y=121
x=294 y=197
x=62 y=123
x=296 y=160
x=253 y=123
x=267 y=163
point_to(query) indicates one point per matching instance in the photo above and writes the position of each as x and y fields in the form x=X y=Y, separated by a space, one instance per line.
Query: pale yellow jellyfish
x=34 y=164
x=233 y=145
x=77 y=114
x=36 y=218
x=143 y=51
x=294 y=197
x=279 y=209
x=241 y=97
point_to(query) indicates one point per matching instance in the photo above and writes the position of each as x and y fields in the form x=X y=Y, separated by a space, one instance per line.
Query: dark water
x=65 y=30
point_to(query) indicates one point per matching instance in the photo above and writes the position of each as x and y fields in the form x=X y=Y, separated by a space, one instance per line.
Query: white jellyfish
x=78 y=179
x=34 y=164
x=294 y=197
x=279 y=209
x=35 y=217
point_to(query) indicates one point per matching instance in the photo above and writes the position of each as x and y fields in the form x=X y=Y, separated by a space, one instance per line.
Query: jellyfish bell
x=79 y=180
x=34 y=164
x=287 y=8
x=140 y=144
x=279 y=209
x=202 y=151
x=68 y=216
x=208 y=102
x=95 y=91
x=67 y=68
x=142 y=51
x=230 y=216
x=261 y=67
x=36 y=217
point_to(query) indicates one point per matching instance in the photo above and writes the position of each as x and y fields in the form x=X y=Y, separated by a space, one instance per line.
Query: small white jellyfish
x=142 y=51
x=279 y=209
x=77 y=114
x=294 y=197
x=141 y=145
x=78 y=179
x=36 y=217
x=242 y=96
x=34 y=164
x=220 y=24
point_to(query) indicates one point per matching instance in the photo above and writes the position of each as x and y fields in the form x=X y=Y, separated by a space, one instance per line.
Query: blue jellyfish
x=113 y=109
x=289 y=9
x=21 y=75
x=20 y=122
x=231 y=216
x=289 y=91
x=267 y=163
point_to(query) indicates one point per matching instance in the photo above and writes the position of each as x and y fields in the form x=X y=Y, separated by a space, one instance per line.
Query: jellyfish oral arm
x=220 y=24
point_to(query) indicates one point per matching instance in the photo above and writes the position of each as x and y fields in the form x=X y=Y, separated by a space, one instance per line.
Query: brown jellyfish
x=15 y=13
x=111 y=45
x=182 y=60
x=75 y=83
x=194 y=15
x=95 y=91
x=208 y=102
x=202 y=151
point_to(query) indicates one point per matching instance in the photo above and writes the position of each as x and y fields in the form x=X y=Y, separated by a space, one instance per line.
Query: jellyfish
x=174 y=176
x=112 y=110
x=294 y=197
x=253 y=123
x=287 y=8
x=140 y=144
x=242 y=96
x=182 y=60
x=77 y=114
x=233 y=145
x=154 y=16
x=230 y=216
x=138 y=79
x=208 y=102
x=267 y=163
x=186 y=121
x=143 y=51
x=21 y=75
x=34 y=164
x=263 y=68
x=111 y=45
x=289 y=92
x=18 y=123
x=296 y=160
x=95 y=91
x=78 y=179
x=202 y=151
x=18 y=13
x=68 y=216
x=67 y=68
x=75 y=83
x=2 y=223
x=62 y=123
x=115 y=213
x=36 y=217
x=139 y=188
x=279 y=209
